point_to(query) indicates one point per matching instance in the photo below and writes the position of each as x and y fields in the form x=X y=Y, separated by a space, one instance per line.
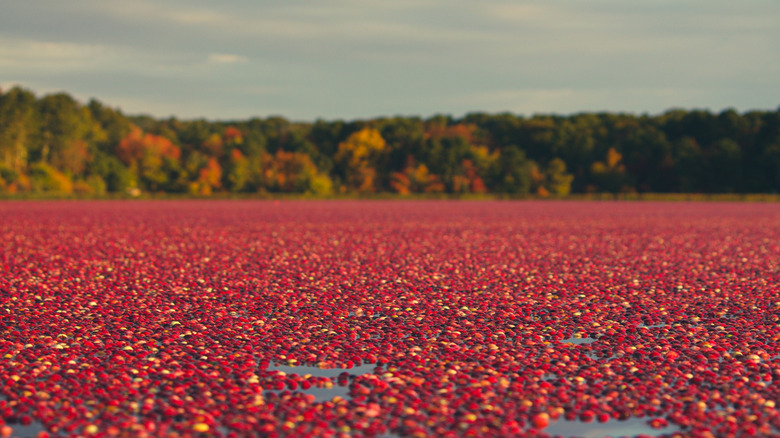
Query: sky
x=361 y=59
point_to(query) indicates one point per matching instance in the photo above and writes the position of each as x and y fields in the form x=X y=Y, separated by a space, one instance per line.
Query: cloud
x=19 y=53
x=362 y=57
x=292 y=27
x=226 y=58
x=20 y=56
x=514 y=12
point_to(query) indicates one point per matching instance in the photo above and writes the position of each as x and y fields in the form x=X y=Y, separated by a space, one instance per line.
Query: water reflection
x=26 y=431
x=578 y=341
x=20 y=430
x=320 y=394
x=615 y=428
x=303 y=370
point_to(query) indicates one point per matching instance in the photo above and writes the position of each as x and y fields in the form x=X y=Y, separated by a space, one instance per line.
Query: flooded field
x=389 y=319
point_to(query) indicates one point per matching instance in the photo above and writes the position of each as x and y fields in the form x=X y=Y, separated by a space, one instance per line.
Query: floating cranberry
x=450 y=319
x=540 y=421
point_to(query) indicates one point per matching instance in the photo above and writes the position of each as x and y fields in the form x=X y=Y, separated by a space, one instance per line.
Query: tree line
x=56 y=144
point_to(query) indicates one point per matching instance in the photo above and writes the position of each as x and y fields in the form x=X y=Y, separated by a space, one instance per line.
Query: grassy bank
x=686 y=197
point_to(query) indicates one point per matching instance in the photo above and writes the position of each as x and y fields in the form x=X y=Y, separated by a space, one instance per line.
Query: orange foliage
x=233 y=135
x=285 y=170
x=73 y=157
x=478 y=186
x=209 y=178
x=131 y=148
x=211 y=174
x=469 y=180
x=439 y=131
x=363 y=178
x=474 y=180
x=415 y=179
x=400 y=182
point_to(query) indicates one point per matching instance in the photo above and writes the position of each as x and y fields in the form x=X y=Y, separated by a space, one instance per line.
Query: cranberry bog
x=389 y=319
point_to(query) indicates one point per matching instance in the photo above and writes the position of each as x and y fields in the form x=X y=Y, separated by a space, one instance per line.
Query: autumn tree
x=237 y=175
x=98 y=149
x=155 y=159
x=552 y=179
x=358 y=155
x=293 y=172
x=415 y=178
x=45 y=178
x=233 y=136
x=209 y=178
x=610 y=174
x=467 y=179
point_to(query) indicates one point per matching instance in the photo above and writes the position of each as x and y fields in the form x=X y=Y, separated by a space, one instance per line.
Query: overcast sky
x=347 y=59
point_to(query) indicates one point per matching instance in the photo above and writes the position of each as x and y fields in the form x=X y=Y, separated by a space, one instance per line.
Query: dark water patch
x=26 y=431
x=597 y=355
x=578 y=341
x=614 y=428
x=320 y=394
x=303 y=370
x=23 y=430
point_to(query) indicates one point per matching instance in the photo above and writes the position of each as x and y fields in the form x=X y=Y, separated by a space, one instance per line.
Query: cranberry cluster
x=336 y=318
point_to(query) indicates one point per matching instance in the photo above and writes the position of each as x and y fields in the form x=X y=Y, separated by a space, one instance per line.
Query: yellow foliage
x=482 y=153
x=415 y=180
x=361 y=145
x=421 y=173
x=294 y=172
x=613 y=158
x=598 y=167
x=358 y=152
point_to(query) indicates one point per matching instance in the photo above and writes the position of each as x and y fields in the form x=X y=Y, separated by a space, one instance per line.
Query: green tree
x=45 y=178
x=238 y=174
x=116 y=176
x=610 y=174
x=771 y=168
x=688 y=165
x=66 y=127
x=723 y=161
x=511 y=173
x=557 y=181
x=18 y=124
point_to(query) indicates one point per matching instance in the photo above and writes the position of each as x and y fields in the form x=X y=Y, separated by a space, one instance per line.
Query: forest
x=56 y=144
